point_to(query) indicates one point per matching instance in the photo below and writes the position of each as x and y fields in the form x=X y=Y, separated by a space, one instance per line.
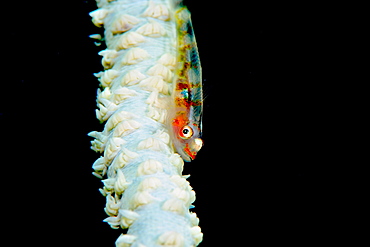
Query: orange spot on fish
x=188 y=152
x=180 y=120
x=181 y=86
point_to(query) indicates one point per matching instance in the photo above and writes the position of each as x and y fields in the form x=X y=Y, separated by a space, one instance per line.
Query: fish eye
x=186 y=132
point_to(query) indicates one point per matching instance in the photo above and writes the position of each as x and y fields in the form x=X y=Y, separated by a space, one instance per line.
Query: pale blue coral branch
x=141 y=173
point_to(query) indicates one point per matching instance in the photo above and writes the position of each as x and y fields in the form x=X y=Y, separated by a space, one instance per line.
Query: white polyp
x=157 y=114
x=150 y=183
x=99 y=166
x=109 y=183
x=149 y=167
x=153 y=99
x=113 y=221
x=159 y=11
x=127 y=217
x=128 y=214
x=125 y=240
x=106 y=108
x=140 y=170
x=161 y=70
x=134 y=56
x=180 y=181
x=168 y=60
x=174 y=205
x=125 y=128
x=194 y=219
x=197 y=234
x=123 y=23
x=98 y=16
x=112 y=147
x=130 y=39
x=111 y=207
x=172 y=239
x=116 y=118
x=155 y=83
x=132 y=77
x=105 y=94
x=141 y=198
x=178 y=162
x=163 y=136
x=122 y=94
x=152 y=29
x=181 y=194
x=121 y=183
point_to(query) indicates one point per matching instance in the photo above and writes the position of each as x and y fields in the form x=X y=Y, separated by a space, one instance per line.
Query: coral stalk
x=141 y=172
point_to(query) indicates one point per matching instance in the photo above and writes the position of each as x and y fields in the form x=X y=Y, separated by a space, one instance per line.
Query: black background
x=257 y=178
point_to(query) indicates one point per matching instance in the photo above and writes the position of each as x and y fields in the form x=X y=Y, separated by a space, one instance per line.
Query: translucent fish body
x=185 y=117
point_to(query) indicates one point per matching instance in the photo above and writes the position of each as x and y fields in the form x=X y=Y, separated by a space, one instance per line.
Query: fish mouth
x=189 y=156
x=186 y=155
x=190 y=152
